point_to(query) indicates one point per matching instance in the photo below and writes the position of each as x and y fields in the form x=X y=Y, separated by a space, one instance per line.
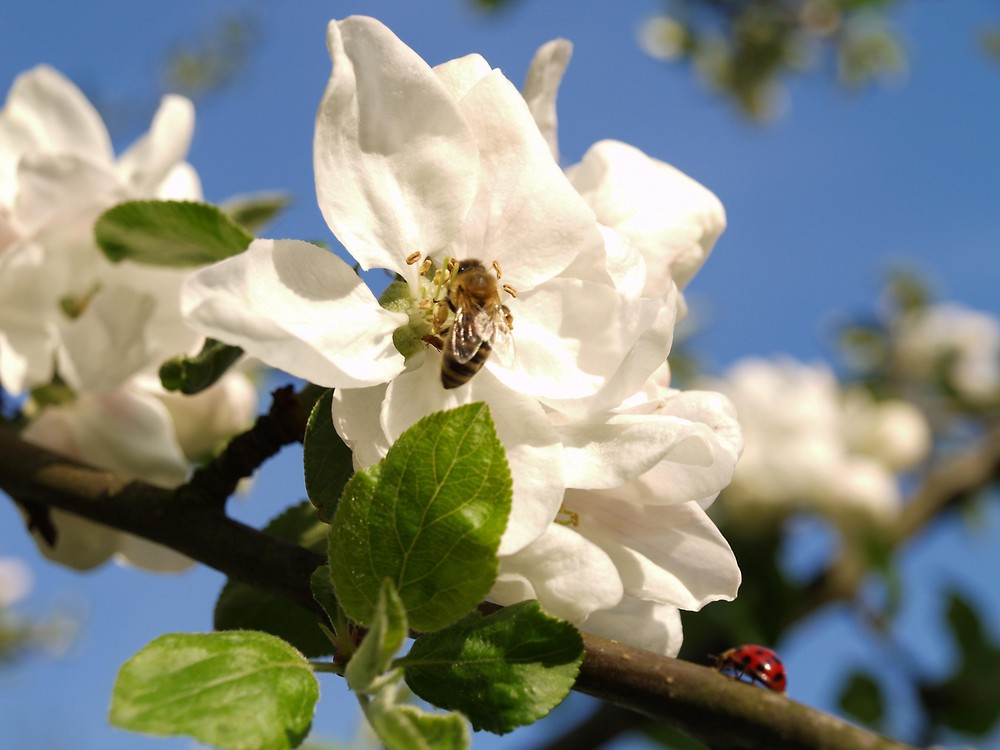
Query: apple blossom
x=61 y=298
x=811 y=446
x=105 y=326
x=632 y=543
x=611 y=470
x=418 y=163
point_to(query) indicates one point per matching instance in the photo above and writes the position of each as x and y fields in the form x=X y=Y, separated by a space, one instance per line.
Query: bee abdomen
x=455 y=373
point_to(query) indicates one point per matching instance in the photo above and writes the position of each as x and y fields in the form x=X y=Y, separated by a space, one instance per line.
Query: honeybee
x=482 y=323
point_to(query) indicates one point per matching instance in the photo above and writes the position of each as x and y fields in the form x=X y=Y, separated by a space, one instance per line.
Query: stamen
x=566 y=517
x=510 y=290
x=412 y=258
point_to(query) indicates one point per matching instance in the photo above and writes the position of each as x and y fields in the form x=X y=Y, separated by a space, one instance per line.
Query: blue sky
x=820 y=203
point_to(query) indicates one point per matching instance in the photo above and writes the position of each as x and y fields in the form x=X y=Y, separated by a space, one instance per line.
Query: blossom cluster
x=418 y=167
x=81 y=338
x=812 y=446
x=952 y=340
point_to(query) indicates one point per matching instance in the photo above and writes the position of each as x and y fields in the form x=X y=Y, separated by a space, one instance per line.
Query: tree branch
x=198 y=529
x=720 y=711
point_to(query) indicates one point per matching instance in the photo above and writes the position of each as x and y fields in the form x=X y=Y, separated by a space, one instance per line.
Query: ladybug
x=756 y=662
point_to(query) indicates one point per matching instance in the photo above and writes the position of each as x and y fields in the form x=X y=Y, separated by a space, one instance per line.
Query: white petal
x=130 y=433
x=461 y=74
x=297 y=307
x=28 y=311
x=167 y=333
x=671 y=554
x=533 y=450
x=107 y=344
x=181 y=184
x=609 y=452
x=572 y=337
x=142 y=553
x=396 y=164
x=542 y=85
x=672 y=219
x=57 y=191
x=701 y=461
x=80 y=544
x=356 y=413
x=205 y=421
x=149 y=161
x=568 y=575
x=648 y=625
x=46 y=113
x=526 y=215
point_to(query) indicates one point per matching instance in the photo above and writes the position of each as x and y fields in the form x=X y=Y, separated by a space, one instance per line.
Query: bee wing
x=465 y=337
x=501 y=340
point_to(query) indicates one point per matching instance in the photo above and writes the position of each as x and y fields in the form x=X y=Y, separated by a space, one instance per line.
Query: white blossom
x=810 y=445
x=102 y=328
x=962 y=343
x=439 y=163
x=632 y=543
x=425 y=164
x=60 y=300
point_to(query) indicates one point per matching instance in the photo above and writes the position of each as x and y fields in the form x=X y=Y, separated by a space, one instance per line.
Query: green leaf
x=429 y=517
x=862 y=699
x=321 y=586
x=244 y=607
x=502 y=671
x=328 y=461
x=385 y=637
x=177 y=234
x=191 y=375
x=299 y=524
x=411 y=728
x=254 y=212
x=240 y=691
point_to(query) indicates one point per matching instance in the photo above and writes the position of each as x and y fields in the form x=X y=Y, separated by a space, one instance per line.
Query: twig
x=720 y=711
x=284 y=423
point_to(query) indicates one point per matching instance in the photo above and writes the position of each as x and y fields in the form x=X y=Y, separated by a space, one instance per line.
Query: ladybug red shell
x=756 y=662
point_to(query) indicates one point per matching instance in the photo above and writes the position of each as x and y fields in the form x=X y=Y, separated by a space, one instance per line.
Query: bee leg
x=433 y=341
